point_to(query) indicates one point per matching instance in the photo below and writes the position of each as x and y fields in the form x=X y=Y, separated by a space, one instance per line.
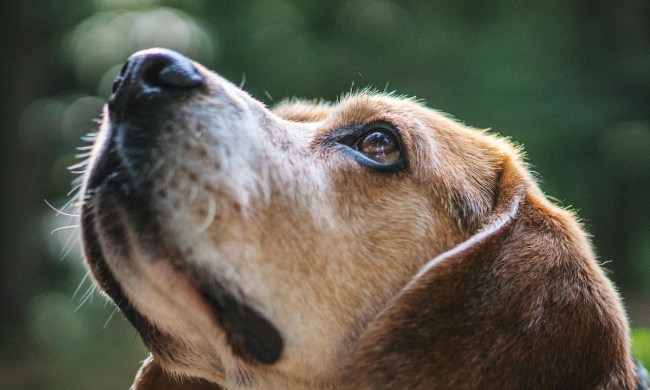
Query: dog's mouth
x=120 y=221
x=111 y=206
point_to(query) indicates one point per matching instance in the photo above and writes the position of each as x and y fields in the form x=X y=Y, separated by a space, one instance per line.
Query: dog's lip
x=250 y=335
x=162 y=278
x=178 y=286
x=95 y=259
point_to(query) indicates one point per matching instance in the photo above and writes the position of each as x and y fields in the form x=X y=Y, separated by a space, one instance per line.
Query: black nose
x=155 y=71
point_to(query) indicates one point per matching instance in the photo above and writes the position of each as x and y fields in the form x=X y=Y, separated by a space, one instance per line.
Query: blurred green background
x=570 y=80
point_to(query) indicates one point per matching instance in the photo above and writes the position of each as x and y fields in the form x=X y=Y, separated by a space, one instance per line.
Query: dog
x=371 y=243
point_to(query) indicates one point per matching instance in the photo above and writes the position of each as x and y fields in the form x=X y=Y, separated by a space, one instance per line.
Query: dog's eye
x=379 y=145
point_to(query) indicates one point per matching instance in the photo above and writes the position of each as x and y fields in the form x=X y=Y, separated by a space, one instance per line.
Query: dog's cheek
x=343 y=259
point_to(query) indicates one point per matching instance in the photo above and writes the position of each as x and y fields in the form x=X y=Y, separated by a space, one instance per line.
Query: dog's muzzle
x=118 y=197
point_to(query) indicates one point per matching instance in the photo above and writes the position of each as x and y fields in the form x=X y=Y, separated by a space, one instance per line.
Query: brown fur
x=527 y=308
x=339 y=258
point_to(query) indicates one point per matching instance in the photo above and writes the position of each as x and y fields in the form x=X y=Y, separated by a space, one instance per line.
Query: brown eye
x=379 y=145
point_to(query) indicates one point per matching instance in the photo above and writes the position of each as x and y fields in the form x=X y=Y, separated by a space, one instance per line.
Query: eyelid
x=348 y=136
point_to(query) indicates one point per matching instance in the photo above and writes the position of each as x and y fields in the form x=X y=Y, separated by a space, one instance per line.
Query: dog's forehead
x=298 y=110
x=358 y=108
x=364 y=107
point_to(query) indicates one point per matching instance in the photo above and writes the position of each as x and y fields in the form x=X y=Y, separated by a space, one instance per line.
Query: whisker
x=63 y=228
x=209 y=218
x=156 y=167
x=85 y=297
x=194 y=191
x=76 y=291
x=69 y=244
x=75 y=188
x=75 y=201
x=84 y=156
x=243 y=80
x=59 y=211
x=168 y=178
x=110 y=317
x=90 y=137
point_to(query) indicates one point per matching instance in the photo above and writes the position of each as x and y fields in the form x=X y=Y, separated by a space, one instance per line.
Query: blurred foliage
x=569 y=80
x=641 y=345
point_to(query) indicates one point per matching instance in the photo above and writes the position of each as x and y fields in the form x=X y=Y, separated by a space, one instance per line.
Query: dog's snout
x=156 y=71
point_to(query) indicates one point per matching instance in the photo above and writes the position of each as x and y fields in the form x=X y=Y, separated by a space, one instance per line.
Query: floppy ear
x=520 y=304
x=152 y=377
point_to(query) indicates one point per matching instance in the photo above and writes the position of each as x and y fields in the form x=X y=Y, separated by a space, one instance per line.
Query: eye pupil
x=380 y=145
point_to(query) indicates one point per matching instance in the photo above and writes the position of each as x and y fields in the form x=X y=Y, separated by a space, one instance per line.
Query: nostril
x=117 y=83
x=180 y=75
x=120 y=77
x=168 y=70
x=150 y=70
x=123 y=70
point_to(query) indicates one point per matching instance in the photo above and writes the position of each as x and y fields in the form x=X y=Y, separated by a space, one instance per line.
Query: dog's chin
x=142 y=273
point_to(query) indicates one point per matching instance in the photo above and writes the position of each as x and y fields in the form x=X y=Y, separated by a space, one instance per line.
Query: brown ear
x=152 y=377
x=522 y=304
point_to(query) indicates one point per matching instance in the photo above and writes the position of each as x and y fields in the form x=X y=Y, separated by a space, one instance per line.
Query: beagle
x=371 y=243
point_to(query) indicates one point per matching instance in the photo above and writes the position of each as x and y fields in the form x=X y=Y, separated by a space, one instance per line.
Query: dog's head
x=369 y=243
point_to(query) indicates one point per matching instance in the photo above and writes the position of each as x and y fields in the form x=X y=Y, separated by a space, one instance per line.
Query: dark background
x=569 y=80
